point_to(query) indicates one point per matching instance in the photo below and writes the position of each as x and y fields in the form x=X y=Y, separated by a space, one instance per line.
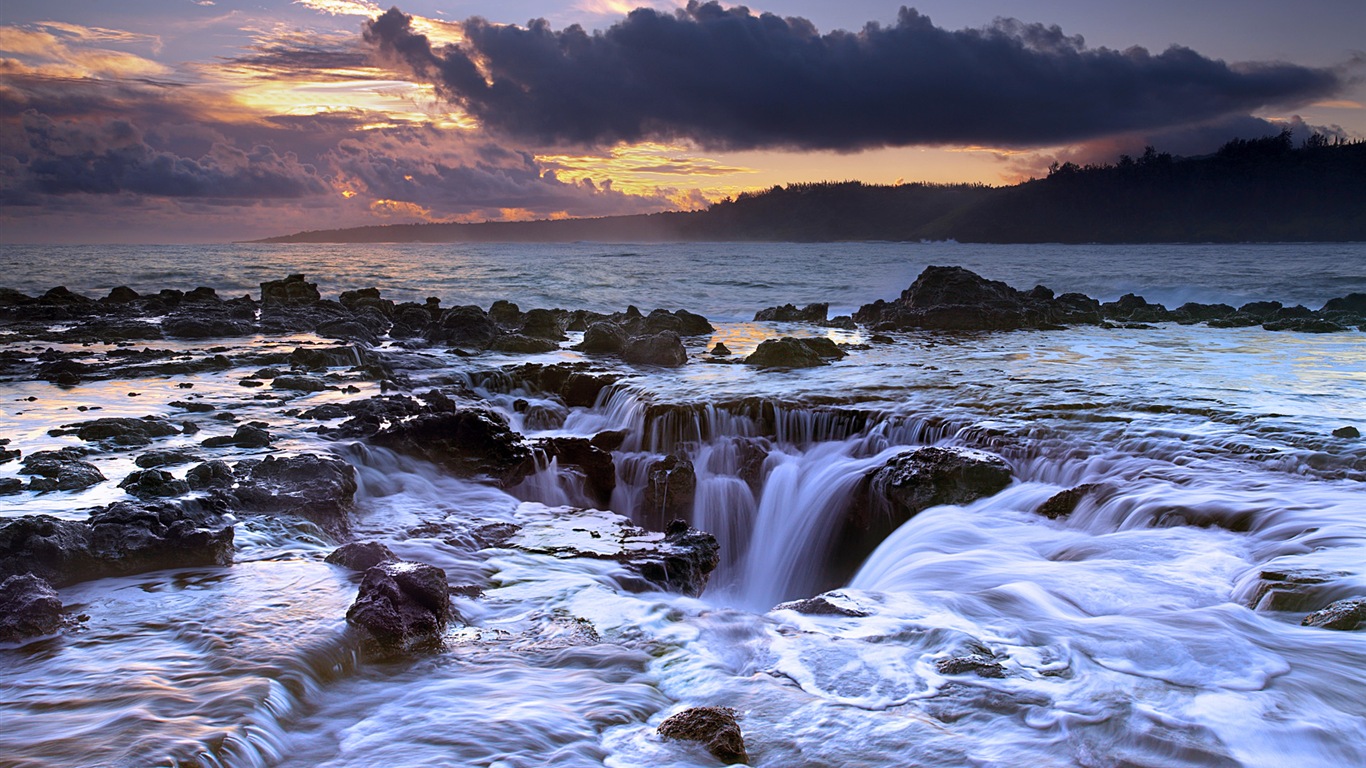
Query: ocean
x=1140 y=630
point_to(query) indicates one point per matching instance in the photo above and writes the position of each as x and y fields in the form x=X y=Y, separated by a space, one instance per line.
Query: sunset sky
x=219 y=120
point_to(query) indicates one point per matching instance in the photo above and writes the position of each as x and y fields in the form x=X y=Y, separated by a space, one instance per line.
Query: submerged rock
x=829 y=604
x=1292 y=589
x=29 y=607
x=599 y=473
x=679 y=560
x=714 y=727
x=60 y=470
x=1349 y=432
x=982 y=666
x=1349 y=615
x=1064 y=503
x=404 y=606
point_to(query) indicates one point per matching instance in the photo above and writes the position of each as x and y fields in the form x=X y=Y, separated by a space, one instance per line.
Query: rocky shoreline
x=183 y=502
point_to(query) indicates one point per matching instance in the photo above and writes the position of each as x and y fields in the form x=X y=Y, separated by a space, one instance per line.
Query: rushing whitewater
x=1147 y=627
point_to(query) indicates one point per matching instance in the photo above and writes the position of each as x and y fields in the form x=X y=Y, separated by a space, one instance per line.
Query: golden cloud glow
x=49 y=51
x=637 y=169
x=1339 y=104
x=391 y=208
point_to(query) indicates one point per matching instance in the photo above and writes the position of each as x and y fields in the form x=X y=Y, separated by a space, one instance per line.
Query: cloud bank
x=729 y=79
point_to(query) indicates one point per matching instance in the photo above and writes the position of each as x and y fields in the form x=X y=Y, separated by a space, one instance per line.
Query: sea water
x=1128 y=633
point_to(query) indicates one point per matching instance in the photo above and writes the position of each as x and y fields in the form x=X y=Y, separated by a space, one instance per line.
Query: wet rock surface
x=468 y=442
x=1347 y=615
x=671 y=484
x=120 y=539
x=1064 y=503
x=403 y=606
x=713 y=727
x=29 y=607
x=662 y=349
x=316 y=488
x=360 y=555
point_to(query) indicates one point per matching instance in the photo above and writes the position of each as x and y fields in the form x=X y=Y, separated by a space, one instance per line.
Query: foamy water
x=1124 y=632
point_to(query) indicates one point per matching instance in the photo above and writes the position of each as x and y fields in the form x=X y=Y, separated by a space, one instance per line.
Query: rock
x=120 y=539
x=404 y=606
x=10 y=486
x=1354 y=303
x=595 y=464
x=670 y=485
x=1064 y=503
x=205 y=324
x=540 y=417
x=505 y=313
x=978 y=664
x=366 y=297
x=609 y=440
x=299 y=383
x=348 y=330
x=788 y=313
x=361 y=555
x=467 y=327
x=165 y=458
x=1304 y=325
x=720 y=350
x=714 y=727
x=1292 y=589
x=61 y=470
x=1349 y=432
x=1134 y=309
x=29 y=607
x=121 y=295
x=292 y=291
x=907 y=484
x=543 y=324
x=316 y=488
x=151 y=483
x=603 y=338
x=119 y=431
x=519 y=344
x=824 y=347
x=576 y=385
x=468 y=443
x=246 y=436
x=210 y=475
x=679 y=560
x=1348 y=615
x=787 y=352
x=663 y=349
x=821 y=605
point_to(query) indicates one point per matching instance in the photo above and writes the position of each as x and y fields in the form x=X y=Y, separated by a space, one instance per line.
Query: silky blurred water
x=1127 y=634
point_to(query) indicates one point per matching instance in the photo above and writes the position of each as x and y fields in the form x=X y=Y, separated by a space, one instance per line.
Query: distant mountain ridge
x=1258 y=190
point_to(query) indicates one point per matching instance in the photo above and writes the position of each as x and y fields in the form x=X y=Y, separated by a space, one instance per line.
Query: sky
x=173 y=121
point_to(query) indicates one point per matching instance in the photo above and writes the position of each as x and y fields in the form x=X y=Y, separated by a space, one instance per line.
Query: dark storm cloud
x=729 y=79
x=64 y=157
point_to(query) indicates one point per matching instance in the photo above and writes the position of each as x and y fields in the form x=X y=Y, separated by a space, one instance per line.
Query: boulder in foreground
x=1346 y=615
x=29 y=607
x=404 y=606
x=714 y=727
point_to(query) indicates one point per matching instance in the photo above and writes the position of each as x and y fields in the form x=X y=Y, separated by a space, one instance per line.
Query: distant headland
x=1257 y=190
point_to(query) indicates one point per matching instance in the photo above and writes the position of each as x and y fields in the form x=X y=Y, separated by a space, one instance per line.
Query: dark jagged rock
x=1349 y=432
x=1134 y=309
x=293 y=290
x=980 y=665
x=787 y=352
x=1193 y=312
x=599 y=473
x=165 y=458
x=206 y=323
x=956 y=299
x=664 y=349
x=1304 y=325
x=119 y=431
x=29 y=607
x=609 y=440
x=468 y=442
x=506 y=314
x=60 y=470
x=299 y=383
x=316 y=488
x=404 y=606
x=603 y=338
x=466 y=327
x=575 y=383
x=670 y=486
x=543 y=416
x=122 y=538
x=152 y=483
x=210 y=475
x=121 y=295
x=1348 y=615
x=360 y=555
x=713 y=727
x=720 y=350
x=520 y=344
x=788 y=313
x=543 y=324
x=1353 y=303
x=246 y=436
x=1064 y=503
x=349 y=330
